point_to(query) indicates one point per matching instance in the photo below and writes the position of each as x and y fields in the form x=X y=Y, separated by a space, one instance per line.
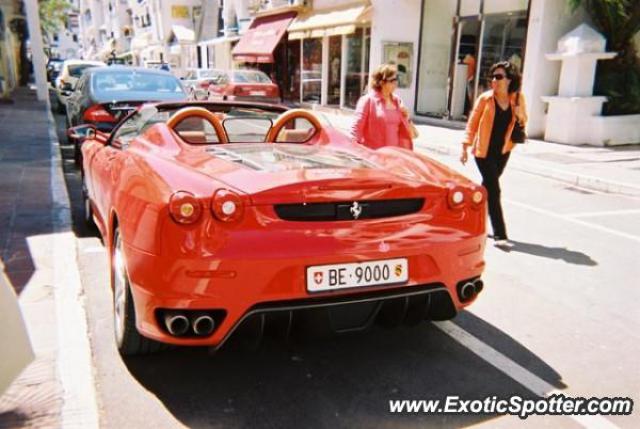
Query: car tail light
x=97 y=113
x=456 y=197
x=227 y=205
x=184 y=208
x=274 y=92
x=477 y=196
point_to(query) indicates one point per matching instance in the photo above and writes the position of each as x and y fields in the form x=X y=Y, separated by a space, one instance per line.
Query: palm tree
x=618 y=79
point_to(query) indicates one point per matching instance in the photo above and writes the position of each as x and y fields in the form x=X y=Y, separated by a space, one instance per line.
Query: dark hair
x=382 y=74
x=513 y=74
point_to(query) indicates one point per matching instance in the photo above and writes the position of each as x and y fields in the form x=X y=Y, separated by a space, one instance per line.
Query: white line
x=524 y=377
x=604 y=213
x=576 y=221
x=74 y=362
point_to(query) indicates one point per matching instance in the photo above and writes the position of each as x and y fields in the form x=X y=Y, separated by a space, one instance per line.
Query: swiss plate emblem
x=398 y=270
x=317 y=277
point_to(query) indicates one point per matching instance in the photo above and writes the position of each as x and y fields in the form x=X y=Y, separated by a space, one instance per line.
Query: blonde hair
x=382 y=74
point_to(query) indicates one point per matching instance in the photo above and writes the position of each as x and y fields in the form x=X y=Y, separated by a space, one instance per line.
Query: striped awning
x=332 y=22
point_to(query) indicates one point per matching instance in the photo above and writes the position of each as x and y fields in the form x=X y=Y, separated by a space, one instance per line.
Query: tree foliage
x=53 y=15
x=618 y=79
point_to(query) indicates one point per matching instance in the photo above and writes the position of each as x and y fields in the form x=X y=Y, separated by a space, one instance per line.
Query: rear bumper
x=261 y=99
x=259 y=282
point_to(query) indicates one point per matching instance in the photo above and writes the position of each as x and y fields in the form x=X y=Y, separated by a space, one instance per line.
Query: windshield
x=252 y=76
x=109 y=83
x=76 y=70
x=209 y=73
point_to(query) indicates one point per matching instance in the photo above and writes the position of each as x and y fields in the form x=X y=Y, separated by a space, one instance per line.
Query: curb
x=537 y=168
x=74 y=361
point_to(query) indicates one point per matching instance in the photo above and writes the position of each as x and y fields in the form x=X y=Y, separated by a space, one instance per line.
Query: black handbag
x=518 y=135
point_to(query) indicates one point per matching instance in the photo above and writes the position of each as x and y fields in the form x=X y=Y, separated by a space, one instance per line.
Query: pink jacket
x=368 y=128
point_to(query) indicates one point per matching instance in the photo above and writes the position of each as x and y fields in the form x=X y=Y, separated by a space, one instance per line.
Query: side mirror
x=82 y=132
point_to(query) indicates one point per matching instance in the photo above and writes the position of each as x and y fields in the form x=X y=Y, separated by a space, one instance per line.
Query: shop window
x=292 y=90
x=358 y=47
x=335 y=65
x=502 y=6
x=312 y=70
x=503 y=39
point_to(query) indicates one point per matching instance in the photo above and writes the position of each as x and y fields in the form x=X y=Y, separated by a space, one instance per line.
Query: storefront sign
x=180 y=12
x=400 y=54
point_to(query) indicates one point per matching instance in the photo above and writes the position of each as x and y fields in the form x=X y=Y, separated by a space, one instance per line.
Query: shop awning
x=330 y=22
x=262 y=37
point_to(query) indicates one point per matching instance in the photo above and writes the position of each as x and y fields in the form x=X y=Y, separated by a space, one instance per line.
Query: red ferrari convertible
x=227 y=216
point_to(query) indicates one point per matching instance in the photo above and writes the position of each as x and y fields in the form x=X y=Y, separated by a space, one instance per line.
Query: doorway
x=462 y=91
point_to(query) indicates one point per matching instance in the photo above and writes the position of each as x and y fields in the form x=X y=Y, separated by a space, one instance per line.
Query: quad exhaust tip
x=469 y=289
x=177 y=324
x=182 y=323
x=203 y=325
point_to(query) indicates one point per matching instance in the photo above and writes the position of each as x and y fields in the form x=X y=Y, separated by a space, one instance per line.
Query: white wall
x=396 y=21
x=548 y=21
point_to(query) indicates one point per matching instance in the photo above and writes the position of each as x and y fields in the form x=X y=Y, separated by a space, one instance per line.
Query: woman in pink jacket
x=381 y=118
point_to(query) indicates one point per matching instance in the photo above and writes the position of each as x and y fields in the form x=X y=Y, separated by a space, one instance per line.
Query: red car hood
x=292 y=173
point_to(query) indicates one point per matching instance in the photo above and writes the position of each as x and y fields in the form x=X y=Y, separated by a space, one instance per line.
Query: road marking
x=518 y=373
x=576 y=221
x=604 y=213
x=74 y=361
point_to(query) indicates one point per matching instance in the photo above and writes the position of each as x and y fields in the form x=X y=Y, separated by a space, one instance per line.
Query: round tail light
x=227 y=205
x=456 y=198
x=184 y=208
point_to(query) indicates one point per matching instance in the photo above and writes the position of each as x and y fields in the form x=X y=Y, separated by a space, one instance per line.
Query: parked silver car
x=198 y=82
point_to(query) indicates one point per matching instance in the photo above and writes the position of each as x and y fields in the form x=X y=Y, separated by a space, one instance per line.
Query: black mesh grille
x=348 y=210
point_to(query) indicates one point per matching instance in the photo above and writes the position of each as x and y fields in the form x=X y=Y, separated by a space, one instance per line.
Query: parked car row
x=239 y=85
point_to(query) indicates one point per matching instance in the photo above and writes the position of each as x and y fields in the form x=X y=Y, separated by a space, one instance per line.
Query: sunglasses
x=393 y=79
x=498 y=76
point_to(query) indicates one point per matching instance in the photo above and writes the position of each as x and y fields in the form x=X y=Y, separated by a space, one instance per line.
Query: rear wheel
x=128 y=339
x=60 y=108
x=86 y=204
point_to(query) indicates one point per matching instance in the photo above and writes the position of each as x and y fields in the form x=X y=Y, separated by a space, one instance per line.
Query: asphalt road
x=558 y=314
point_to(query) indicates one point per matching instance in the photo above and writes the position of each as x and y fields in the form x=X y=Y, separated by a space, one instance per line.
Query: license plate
x=343 y=276
x=261 y=93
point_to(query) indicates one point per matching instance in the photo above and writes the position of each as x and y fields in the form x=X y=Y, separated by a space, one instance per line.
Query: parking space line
x=604 y=213
x=574 y=220
x=514 y=371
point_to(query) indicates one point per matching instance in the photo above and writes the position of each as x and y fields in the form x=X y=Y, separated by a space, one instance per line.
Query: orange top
x=480 y=123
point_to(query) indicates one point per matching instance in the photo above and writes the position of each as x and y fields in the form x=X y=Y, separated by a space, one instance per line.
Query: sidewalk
x=39 y=254
x=605 y=169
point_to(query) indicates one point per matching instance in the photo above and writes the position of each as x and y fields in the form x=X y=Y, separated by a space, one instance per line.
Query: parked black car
x=105 y=95
x=53 y=70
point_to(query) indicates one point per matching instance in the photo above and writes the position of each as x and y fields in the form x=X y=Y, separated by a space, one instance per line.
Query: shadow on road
x=562 y=253
x=343 y=381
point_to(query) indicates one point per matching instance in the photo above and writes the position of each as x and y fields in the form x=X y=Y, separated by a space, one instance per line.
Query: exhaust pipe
x=176 y=323
x=478 y=286
x=203 y=325
x=467 y=291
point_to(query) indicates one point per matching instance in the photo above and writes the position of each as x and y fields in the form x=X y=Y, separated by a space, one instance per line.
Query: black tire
x=60 y=108
x=130 y=342
x=87 y=210
x=77 y=154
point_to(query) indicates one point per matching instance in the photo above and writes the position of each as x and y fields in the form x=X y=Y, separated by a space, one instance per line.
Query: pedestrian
x=380 y=117
x=489 y=135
